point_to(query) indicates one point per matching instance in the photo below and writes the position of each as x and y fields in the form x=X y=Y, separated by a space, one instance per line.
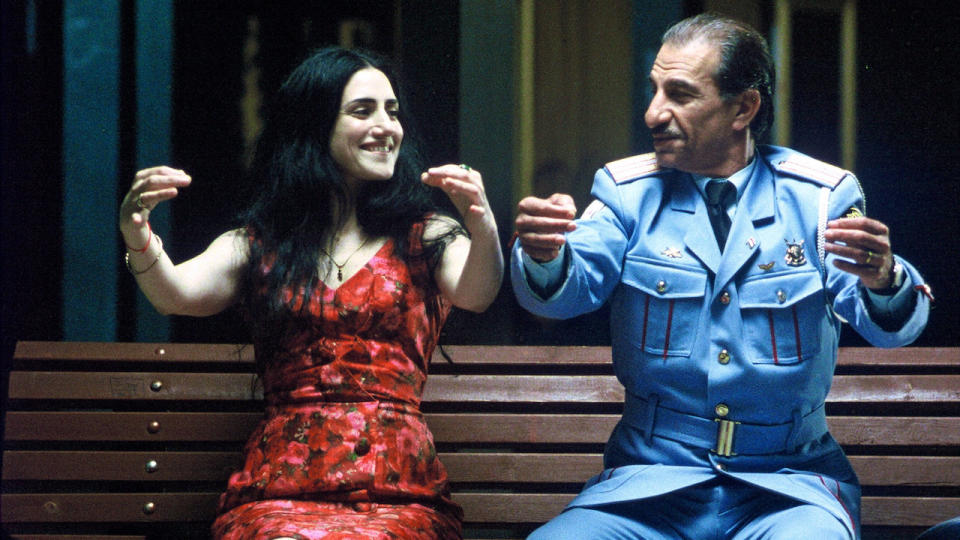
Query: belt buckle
x=725 y=431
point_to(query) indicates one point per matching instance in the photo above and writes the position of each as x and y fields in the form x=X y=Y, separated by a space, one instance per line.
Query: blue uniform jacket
x=726 y=359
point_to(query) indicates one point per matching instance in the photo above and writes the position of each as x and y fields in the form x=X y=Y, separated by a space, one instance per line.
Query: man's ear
x=748 y=103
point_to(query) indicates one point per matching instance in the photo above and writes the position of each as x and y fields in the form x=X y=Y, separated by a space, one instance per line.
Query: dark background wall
x=907 y=143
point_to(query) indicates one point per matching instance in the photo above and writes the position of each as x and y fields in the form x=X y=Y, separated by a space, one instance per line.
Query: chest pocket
x=665 y=301
x=783 y=316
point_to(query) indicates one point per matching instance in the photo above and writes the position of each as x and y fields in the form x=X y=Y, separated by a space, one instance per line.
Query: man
x=724 y=324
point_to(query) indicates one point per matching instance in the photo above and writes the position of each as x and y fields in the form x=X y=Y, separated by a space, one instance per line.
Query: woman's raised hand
x=150 y=187
x=470 y=272
x=464 y=186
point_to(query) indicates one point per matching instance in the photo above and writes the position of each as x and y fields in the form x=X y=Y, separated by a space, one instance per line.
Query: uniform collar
x=739 y=179
x=756 y=202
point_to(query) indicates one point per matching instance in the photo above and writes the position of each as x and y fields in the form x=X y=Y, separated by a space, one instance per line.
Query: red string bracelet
x=144 y=250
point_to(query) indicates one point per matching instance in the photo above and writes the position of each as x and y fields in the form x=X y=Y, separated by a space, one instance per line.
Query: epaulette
x=811 y=169
x=632 y=167
x=595 y=206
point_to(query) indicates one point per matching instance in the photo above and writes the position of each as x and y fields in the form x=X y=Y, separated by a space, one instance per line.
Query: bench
x=127 y=441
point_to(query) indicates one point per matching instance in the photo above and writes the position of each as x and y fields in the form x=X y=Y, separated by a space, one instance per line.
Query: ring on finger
x=465 y=167
x=142 y=206
x=870 y=255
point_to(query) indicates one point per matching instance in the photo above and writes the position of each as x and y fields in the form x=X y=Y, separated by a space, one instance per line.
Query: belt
x=722 y=436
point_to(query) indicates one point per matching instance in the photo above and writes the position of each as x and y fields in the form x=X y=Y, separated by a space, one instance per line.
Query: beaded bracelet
x=126 y=259
x=146 y=247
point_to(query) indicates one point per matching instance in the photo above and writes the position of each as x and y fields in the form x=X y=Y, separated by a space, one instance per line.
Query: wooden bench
x=135 y=440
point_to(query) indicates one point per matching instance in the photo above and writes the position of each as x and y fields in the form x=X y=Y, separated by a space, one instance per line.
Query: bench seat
x=136 y=440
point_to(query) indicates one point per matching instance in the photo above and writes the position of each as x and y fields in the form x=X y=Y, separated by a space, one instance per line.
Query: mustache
x=665 y=131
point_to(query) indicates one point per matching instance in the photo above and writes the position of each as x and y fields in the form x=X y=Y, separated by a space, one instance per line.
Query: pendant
x=339 y=274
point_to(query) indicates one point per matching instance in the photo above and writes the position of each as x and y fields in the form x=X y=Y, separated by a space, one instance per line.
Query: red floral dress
x=343 y=450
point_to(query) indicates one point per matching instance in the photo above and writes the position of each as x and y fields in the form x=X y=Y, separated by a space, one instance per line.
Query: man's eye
x=394 y=113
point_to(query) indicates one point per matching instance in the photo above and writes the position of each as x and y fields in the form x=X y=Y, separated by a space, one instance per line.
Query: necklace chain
x=340 y=266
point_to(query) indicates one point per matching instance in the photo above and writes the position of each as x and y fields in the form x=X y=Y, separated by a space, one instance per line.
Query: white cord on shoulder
x=822 y=228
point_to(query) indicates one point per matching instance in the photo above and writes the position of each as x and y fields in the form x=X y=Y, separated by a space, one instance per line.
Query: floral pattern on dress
x=343 y=450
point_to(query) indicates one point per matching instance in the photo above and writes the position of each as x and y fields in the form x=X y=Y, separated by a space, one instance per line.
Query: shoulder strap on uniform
x=633 y=167
x=807 y=168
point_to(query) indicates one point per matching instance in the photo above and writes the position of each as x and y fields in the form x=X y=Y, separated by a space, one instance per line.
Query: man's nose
x=656 y=114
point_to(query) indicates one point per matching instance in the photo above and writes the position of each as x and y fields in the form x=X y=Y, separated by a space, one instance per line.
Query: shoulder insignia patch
x=592 y=209
x=812 y=169
x=632 y=167
x=853 y=212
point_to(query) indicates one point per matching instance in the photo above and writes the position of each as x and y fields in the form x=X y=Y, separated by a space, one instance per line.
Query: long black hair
x=296 y=189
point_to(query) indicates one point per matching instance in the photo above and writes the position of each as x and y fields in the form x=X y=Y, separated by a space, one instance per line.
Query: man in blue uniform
x=726 y=306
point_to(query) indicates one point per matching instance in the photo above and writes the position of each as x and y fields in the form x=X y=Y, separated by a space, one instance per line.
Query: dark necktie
x=717 y=193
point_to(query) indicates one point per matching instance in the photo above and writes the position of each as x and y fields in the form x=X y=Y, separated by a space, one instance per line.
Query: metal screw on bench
x=149 y=508
x=160 y=351
x=153 y=427
x=152 y=466
x=156 y=386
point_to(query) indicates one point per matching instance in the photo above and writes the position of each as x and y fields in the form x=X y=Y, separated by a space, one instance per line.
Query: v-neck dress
x=343 y=450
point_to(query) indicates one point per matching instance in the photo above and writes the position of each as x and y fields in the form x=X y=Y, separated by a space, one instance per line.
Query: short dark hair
x=745 y=59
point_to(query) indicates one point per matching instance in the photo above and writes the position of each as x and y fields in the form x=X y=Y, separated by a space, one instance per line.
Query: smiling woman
x=346 y=263
x=367 y=135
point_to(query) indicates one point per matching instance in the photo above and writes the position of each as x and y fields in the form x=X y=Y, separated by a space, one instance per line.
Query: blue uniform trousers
x=719 y=509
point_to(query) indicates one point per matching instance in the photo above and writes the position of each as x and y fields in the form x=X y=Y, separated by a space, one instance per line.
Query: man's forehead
x=695 y=60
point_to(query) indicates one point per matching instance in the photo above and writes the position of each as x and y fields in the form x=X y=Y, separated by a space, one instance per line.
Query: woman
x=346 y=269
